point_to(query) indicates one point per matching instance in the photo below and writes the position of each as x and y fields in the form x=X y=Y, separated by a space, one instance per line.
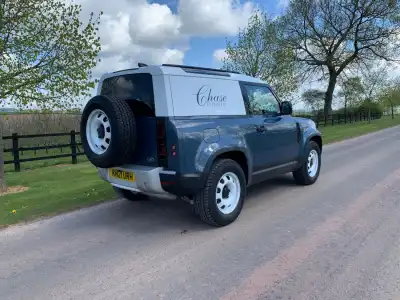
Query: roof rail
x=125 y=70
x=199 y=68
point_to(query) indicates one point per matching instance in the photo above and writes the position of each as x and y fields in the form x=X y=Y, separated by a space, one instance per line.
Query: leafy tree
x=46 y=53
x=390 y=97
x=314 y=99
x=334 y=36
x=352 y=92
x=258 y=52
x=374 y=81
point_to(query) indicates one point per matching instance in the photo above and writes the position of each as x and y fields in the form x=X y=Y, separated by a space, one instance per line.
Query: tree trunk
x=391 y=106
x=329 y=95
x=369 y=115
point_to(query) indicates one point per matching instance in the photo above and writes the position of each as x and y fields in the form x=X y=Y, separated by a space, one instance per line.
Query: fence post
x=15 y=150
x=73 y=148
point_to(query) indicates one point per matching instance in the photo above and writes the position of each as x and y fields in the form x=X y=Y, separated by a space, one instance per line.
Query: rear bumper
x=155 y=181
x=181 y=184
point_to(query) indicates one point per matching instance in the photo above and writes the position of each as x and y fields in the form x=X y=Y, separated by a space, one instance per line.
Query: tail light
x=173 y=149
x=162 y=143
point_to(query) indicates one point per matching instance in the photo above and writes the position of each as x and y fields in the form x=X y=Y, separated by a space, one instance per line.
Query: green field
x=56 y=189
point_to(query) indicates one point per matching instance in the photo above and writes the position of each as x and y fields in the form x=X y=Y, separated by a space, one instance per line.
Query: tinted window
x=130 y=86
x=261 y=100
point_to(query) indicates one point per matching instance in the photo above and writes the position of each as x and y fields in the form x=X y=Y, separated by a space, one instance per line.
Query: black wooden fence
x=337 y=119
x=16 y=149
x=73 y=144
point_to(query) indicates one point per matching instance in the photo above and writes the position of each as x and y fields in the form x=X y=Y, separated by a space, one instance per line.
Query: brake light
x=162 y=143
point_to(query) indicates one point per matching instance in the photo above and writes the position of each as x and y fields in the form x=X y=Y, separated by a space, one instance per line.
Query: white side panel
x=200 y=96
x=162 y=96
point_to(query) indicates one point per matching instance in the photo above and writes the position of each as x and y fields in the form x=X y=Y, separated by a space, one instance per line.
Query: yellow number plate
x=122 y=175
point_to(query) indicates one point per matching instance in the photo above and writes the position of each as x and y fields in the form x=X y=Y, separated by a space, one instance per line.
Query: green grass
x=341 y=132
x=52 y=190
x=56 y=189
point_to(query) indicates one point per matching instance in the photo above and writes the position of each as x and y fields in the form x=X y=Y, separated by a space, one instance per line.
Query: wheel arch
x=318 y=139
x=237 y=154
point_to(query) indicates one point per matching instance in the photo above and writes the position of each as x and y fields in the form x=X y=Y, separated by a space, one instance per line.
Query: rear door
x=137 y=90
x=276 y=135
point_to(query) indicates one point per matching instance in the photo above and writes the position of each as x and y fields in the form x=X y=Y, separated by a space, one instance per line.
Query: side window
x=130 y=86
x=261 y=100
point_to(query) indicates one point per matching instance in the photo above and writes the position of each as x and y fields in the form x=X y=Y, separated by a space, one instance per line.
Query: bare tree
x=333 y=36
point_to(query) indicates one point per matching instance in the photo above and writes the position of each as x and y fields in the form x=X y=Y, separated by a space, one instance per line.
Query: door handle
x=261 y=128
x=273 y=120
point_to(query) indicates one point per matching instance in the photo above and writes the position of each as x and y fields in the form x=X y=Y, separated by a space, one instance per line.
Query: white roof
x=178 y=71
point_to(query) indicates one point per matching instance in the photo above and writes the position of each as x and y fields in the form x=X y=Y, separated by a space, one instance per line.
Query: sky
x=191 y=32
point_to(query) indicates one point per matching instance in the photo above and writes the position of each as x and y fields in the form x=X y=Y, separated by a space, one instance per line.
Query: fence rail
x=15 y=149
x=337 y=119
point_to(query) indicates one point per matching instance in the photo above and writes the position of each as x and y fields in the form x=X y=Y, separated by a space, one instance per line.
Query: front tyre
x=220 y=202
x=310 y=168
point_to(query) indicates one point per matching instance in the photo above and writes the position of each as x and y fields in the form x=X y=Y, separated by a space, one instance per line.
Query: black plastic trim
x=199 y=68
x=181 y=184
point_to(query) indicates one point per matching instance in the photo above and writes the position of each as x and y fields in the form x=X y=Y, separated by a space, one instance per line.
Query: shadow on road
x=155 y=215
x=270 y=185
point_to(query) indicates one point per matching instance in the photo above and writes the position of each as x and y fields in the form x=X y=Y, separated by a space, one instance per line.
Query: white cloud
x=219 y=55
x=214 y=17
x=283 y=3
x=134 y=31
x=154 y=25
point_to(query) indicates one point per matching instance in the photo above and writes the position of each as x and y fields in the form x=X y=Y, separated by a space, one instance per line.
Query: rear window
x=130 y=87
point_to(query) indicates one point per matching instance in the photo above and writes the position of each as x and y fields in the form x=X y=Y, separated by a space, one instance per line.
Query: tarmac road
x=338 y=239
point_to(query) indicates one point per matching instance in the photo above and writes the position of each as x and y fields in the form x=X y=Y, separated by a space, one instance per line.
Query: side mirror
x=286 y=108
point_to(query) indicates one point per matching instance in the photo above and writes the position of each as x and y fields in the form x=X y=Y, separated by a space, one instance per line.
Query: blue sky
x=202 y=49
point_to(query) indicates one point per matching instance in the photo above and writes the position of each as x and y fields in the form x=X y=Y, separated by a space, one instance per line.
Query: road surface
x=338 y=239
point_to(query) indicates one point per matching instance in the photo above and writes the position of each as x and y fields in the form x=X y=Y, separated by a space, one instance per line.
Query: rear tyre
x=130 y=196
x=220 y=202
x=310 y=168
x=108 y=132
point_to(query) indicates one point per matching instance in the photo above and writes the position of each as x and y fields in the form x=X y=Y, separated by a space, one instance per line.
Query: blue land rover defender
x=196 y=133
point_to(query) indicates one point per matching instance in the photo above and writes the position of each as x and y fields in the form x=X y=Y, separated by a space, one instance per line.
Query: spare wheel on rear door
x=108 y=131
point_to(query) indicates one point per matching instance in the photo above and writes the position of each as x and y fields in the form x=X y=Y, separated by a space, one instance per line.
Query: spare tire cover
x=108 y=131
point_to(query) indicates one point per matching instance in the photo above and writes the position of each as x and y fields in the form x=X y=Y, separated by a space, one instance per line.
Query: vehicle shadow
x=270 y=185
x=149 y=216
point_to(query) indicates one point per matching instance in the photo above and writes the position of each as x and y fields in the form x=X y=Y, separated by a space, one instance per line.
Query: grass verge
x=52 y=190
x=341 y=132
x=57 y=189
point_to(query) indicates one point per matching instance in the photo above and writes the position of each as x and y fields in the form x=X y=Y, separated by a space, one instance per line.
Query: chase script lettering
x=205 y=97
